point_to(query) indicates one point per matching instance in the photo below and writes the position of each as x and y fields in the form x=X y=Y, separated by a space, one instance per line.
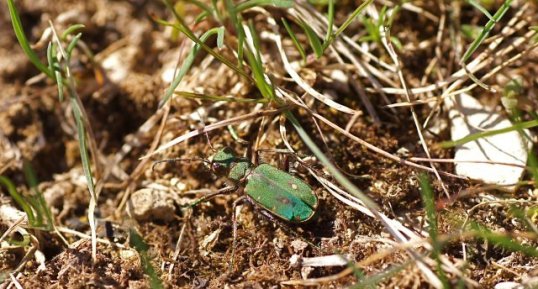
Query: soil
x=192 y=247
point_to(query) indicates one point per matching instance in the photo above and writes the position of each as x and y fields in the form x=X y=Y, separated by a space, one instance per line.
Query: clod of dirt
x=151 y=204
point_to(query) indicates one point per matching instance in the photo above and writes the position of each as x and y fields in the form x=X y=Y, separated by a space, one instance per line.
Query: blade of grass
x=330 y=20
x=41 y=207
x=253 y=3
x=485 y=32
x=481 y=9
x=136 y=241
x=26 y=239
x=190 y=59
x=86 y=169
x=328 y=165
x=19 y=199
x=23 y=41
x=81 y=133
x=346 y=23
x=313 y=38
x=72 y=44
x=503 y=241
x=54 y=66
x=295 y=40
x=265 y=88
x=428 y=200
x=71 y=30
x=182 y=27
x=476 y=136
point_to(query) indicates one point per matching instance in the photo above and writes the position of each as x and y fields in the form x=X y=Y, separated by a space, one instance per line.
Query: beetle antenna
x=209 y=141
x=173 y=160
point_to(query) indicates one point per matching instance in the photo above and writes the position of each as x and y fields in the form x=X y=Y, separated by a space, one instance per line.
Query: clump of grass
x=59 y=53
x=34 y=205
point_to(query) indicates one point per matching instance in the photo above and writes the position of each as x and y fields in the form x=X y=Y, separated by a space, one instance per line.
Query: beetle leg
x=209 y=196
x=287 y=228
x=234 y=222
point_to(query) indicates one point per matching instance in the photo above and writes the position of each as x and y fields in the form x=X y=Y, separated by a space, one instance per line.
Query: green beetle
x=276 y=191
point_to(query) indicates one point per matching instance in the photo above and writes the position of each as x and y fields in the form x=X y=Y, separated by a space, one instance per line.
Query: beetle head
x=222 y=161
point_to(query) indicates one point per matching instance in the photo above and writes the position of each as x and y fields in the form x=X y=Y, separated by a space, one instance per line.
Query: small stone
x=298 y=245
x=150 y=204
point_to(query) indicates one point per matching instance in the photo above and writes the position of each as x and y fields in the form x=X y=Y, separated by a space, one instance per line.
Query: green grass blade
x=189 y=60
x=23 y=41
x=255 y=63
x=34 y=199
x=39 y=204
x=183 y=28
x=201 y=17
x=255 y=43
x=330 y=20
x=218 y=14
x=503 y=241
x=34 y=203
x=84 y=155
x=313 y=39
x=51 y=56
x=81 y=133
x=54 y=66
x=481 y=9
x=348 y=185
x=346 y=23
x=428 y=199
x=19 y=199
x=295 y=40
x=253 y=3
x=71 y=30
x=72 y=45
x=476 y=136
x=485 y=32
x=136 y=241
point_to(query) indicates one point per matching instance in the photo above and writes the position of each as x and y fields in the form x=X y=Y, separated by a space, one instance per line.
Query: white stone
x=508 y=285
x=468 y=116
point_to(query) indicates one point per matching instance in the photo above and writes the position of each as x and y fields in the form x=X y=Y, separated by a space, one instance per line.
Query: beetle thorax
x=239 y=170
x=226 y=163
